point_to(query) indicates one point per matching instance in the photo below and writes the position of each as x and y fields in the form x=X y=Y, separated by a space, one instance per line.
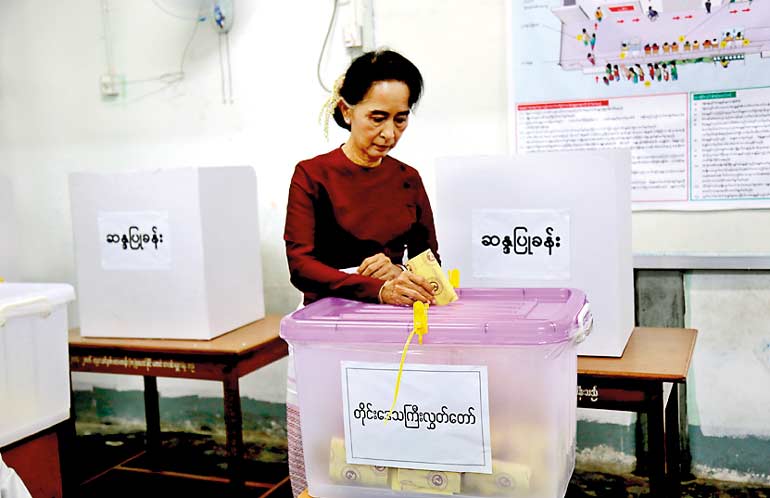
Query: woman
x=356 y=206
x=354 y=211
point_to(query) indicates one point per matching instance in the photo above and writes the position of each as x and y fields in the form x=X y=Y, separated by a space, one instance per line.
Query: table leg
x=234 y=428
x=685 y=457
x=152 y=417
x=641 y=437
x=673 y=457
x=67 y=451
x=656 y=442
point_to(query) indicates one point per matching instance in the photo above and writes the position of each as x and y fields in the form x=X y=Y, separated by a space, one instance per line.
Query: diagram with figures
x=684 y=84
x=627 y=42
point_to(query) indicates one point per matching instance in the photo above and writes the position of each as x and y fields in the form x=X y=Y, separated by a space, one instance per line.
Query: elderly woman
x=356 y=207
x=355 y=211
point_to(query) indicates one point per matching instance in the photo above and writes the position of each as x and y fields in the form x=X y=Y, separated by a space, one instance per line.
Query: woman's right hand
x=405 y=289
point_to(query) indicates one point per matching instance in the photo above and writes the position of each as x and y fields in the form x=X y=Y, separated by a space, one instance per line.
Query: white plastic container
x=8 y=244
x=526 y=340
x=583 y=196
x=169 y=254
x=34 y=362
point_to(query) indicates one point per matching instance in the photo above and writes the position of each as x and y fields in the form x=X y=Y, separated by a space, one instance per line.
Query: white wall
x=8 y=242
x=54 y=121
x=730 y=374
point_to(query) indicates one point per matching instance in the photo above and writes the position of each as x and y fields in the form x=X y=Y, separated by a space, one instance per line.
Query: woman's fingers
x=381 y=273
x=406 y=289
x=414 y=287
x=372 y=264
x=415 y=294
x=365 y=264
x=422 y=285
x=402 y=300
x=373 y=268
x=393 y=294
x=402 y=297
x=387 y=272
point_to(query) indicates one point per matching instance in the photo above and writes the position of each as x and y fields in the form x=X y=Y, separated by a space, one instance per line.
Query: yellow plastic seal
x=454 y=277
x=420 y=328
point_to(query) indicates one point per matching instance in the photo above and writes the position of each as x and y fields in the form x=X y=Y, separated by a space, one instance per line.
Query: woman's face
x=377 y=122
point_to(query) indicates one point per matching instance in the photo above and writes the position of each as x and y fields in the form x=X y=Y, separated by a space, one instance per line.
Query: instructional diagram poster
x=684 y=84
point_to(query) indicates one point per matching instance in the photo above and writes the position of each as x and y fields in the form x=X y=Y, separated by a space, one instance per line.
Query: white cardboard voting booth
x=8 y=241
x=544 y=220
x=167 y=253
x=34 y=362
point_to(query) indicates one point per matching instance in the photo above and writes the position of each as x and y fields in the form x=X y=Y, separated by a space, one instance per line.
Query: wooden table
x=226 y=358
x=654 y=359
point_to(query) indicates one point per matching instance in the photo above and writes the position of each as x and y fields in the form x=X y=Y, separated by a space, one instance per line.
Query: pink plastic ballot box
x=513 y=350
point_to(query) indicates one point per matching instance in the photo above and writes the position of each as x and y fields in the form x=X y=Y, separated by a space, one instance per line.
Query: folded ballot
x=361 y=475
x=425 y=481
x=506 y=479
x=521 y=442
x=426 y=266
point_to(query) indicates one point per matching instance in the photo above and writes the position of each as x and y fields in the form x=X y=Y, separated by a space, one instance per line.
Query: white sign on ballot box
x=440 y=421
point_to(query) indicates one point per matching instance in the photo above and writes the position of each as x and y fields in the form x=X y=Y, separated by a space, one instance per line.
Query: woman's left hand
x=379 y=266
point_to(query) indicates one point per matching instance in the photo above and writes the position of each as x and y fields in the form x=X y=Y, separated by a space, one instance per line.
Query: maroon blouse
x=340 y=213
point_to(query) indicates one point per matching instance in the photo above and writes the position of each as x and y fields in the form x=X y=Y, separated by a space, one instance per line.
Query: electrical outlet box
x=352 y=36
x=365 y=9
x=109 y=85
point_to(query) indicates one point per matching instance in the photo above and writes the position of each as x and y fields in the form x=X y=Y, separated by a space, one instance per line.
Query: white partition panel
x=544 y=220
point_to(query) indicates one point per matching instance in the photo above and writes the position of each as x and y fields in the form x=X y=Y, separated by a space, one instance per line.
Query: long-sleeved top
x=340 y=213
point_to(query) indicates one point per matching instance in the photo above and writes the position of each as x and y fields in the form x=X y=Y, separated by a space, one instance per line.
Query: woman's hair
x=371 y=67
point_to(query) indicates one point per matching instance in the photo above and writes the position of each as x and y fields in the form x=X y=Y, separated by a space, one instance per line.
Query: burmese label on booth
x=440 y=420
x=135 y=240
x=521 y=243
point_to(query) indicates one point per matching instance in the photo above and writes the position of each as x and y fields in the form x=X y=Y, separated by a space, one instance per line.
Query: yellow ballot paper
x=425 y=481
x=360 y=475
x=426 y=266
x=507 y=479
